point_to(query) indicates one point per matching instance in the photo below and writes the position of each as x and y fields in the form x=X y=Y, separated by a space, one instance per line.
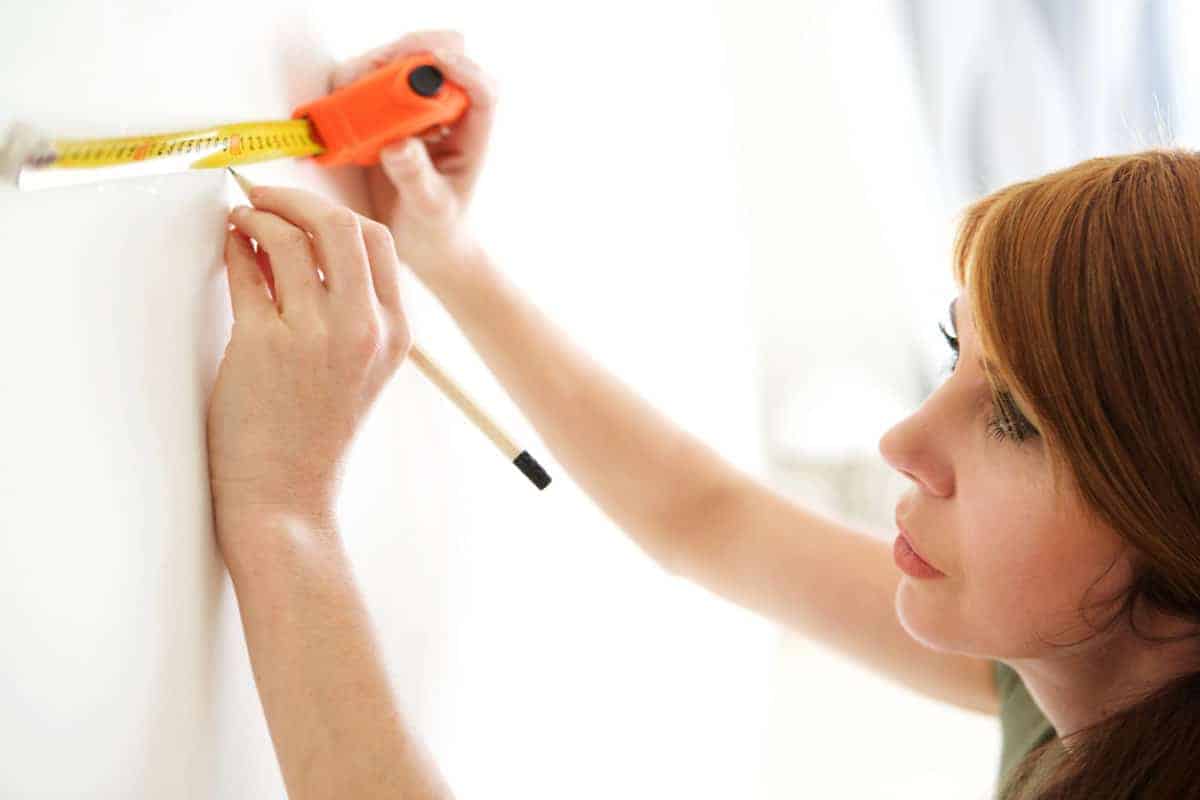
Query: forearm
x=334 y=719
x=645 y=472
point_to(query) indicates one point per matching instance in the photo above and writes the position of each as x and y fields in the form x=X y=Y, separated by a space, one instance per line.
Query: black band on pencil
x=532 y=470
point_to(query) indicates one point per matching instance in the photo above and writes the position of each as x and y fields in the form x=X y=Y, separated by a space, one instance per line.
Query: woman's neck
x=1078 y=687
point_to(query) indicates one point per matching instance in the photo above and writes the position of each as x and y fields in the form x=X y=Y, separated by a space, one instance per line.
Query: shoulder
x=1023 y=726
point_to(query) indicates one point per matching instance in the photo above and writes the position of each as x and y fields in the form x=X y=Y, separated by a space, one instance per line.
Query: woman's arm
x=823 y=579
x=305 y=363
x=695 y=513
x=334 y=718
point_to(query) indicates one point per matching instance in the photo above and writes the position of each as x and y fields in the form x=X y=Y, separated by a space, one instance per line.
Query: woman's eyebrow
x=953 y=321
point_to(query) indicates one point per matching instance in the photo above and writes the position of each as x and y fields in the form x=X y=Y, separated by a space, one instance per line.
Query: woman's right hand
x=422 y=186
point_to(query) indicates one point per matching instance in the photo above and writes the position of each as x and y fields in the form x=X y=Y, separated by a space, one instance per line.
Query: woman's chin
x=924 y=617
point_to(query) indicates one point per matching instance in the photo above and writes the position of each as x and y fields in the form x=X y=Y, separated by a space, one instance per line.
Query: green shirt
x=1022 y=724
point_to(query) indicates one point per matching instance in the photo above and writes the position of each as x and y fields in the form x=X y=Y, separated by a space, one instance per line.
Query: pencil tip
x=242 y=182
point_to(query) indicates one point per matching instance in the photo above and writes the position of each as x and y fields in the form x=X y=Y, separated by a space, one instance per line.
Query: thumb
x=420 y=186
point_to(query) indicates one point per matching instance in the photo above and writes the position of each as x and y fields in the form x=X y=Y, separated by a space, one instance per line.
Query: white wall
x=538 y=651
x=125 y=672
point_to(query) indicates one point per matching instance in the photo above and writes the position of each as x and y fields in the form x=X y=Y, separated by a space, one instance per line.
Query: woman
x=1055 y=502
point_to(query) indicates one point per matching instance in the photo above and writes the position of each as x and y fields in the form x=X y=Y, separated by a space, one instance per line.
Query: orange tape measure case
x=408 y=97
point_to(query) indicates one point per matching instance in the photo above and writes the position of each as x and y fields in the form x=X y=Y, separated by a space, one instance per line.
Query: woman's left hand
x=307 y=357
x=422 y=186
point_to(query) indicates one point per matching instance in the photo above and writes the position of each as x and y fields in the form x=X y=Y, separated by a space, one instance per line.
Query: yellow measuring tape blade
x=236 y=143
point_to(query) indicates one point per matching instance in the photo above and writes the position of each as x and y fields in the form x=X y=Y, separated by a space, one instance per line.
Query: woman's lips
x=908 y=546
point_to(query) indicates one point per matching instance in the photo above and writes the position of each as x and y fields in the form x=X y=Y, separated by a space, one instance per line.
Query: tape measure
x=406 y=97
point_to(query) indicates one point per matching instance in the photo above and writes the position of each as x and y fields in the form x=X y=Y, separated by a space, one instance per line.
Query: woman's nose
x=915 y=448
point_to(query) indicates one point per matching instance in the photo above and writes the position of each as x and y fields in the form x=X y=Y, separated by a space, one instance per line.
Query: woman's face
x=1018 y=559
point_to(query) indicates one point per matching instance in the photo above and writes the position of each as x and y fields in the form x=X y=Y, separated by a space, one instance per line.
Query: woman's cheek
x=989 y=608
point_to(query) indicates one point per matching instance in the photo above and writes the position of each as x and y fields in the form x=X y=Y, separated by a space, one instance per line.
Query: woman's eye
x=1008 y=422
x=953 y=342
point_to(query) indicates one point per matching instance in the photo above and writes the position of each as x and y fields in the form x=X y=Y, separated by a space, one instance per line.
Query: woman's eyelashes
x=1007 y=421
x=953 y=342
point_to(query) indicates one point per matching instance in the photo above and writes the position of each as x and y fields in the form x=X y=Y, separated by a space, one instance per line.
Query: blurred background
x=745 y=210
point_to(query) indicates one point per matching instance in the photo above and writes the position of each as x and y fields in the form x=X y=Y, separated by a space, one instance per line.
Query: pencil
x=511 y=452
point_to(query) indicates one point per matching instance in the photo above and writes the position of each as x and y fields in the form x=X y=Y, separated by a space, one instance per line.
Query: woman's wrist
x=458 y=266
x=248 y=530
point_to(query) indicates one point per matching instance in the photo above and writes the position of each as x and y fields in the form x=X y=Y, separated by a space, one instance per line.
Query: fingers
x=298 y=288
x=357 y=254
x=455 y=65
x=418 y=42
x=413 y=174
x=460 y=150
x=247 y=287
x=468 y=142
x=385 y=266
x=337 y=239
